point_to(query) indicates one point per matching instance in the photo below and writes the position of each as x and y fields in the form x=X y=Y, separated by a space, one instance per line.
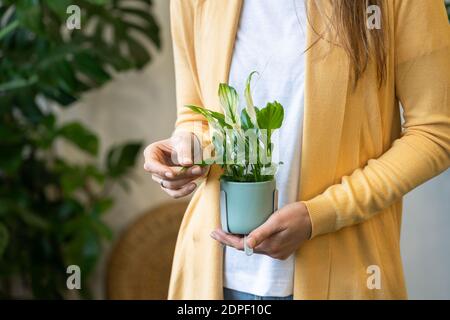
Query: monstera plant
x=447 y=5
x=51 y=208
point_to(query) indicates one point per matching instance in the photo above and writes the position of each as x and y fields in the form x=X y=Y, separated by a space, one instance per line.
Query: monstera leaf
x=46 y=58
x=50 y=208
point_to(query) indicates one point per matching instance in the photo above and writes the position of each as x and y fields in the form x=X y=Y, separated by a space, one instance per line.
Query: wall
x=426 y=239
x=141 y=105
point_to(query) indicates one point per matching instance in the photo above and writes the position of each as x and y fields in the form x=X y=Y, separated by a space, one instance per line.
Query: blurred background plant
x=51 y=209
x=447 y=5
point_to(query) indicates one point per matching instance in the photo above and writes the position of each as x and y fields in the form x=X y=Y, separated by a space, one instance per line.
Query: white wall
x=142 y=106
x=426 y=239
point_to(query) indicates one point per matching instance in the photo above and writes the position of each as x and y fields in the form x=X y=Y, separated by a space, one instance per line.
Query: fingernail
x=192 y=186
x=169 y=174
x=145 y=166
x=187 y=161
x=196 y=170
x=213 y=235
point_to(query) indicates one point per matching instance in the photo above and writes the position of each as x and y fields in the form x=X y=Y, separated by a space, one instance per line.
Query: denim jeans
x=230 y=294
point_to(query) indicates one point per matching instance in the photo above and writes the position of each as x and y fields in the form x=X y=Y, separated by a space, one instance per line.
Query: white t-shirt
x=271 y=39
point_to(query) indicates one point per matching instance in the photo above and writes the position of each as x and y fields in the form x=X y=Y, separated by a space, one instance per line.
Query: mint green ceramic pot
x=244 y=206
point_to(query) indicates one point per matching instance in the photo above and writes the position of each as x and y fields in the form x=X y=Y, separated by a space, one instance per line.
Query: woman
x=341 y=79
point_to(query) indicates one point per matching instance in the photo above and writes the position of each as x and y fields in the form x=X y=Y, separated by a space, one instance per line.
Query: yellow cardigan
x=357 y=163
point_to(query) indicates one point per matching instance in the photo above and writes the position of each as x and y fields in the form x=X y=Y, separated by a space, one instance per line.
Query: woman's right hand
x=172 y=163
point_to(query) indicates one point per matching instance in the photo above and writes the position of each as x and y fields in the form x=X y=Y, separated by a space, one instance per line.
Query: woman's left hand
x=279 y=237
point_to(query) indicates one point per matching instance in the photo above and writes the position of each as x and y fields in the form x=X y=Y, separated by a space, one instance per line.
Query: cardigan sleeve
x=182 y=18
x=422 y=83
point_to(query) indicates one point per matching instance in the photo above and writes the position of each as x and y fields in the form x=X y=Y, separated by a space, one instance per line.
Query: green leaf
x=60 y=96
x=9 y=28
x=84 y=247
x=150 y=28
x=122 y=158
x=68 y=209
x=251 y=111
x=246 y=122
x=59 y=6
x=30 y=110
x=102 y=206
x=219 y=149
x=89 y=66
x=72 y=180
x=99 y=2
x=34 y=220
x=79 y=135
x=65 y=75
x=95 y=173
x=102 y=229
x=210 y=115
x=137 y=50
x=4 y=238
x=10 y=158
x=271 y=117
x=18 y=83
x=229 y=100
x=10 y=135
x=29 y=14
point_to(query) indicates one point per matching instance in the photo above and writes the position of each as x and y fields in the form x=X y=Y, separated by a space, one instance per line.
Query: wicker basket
x=140 y=262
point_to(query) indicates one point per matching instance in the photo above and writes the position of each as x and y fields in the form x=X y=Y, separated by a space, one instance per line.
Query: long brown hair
x=348 y=20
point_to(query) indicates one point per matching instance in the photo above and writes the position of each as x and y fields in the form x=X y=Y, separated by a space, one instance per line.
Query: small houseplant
x=243 y=147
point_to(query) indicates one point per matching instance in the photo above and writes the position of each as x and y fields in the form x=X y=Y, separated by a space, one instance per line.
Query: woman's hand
x=172 y=163
x=279 y=237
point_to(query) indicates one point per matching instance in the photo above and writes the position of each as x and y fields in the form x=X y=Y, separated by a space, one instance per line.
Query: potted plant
x=52 y=208
x=243 y=147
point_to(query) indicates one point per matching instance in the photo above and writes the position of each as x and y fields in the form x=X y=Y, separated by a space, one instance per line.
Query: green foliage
x=51 y=209
x=4 y=238
x=229 y=100
x=271 y=117
x=250 y=111
x=447 y=5
x=80 y=136
x=243 y=144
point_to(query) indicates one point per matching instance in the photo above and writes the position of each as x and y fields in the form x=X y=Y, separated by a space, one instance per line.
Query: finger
x=154 y=165
x=267 y=229
x=183 y=146
x=182 y=192
x=269 y=248
x=263 y=248
x=158 y=168
x=225 y=240
x=230 y=240
x=193 y=172
x=172 y=184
